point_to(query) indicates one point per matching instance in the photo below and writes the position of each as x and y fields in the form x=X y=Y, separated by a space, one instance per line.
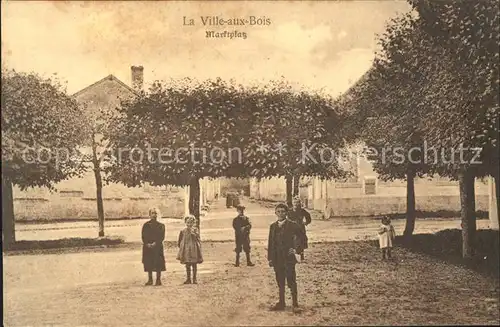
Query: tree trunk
x=100 y=204
x=289 y=186
x=467 y=213
x=8 y=223
x=410 y=204
x=296 y=185
x=98 y=187
x=497 y=194
x=194 y=199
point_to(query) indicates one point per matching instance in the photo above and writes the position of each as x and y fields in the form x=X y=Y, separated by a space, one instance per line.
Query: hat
x=240 y=207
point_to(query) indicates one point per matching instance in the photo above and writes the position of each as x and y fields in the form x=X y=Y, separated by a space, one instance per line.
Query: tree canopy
x=41 y=128
x=436 y=80
x=41 y=131
x=215 y=128
x=435 y=83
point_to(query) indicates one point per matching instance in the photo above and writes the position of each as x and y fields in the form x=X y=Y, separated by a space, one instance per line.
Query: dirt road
x=342 y=283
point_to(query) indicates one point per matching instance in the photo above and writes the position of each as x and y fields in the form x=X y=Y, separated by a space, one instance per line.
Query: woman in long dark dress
x=302 y=218
x=153 y=258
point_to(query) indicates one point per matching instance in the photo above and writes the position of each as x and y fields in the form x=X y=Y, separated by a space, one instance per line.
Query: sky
x=316 y=44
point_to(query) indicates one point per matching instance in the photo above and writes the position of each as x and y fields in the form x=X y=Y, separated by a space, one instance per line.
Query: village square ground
x=342 y=282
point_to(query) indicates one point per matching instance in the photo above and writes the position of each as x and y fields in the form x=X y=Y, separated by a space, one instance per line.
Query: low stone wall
x=378 y=205
x=355 y=190
x=26 y=209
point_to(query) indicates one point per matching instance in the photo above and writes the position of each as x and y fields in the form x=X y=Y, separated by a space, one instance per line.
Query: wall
x=75 y=199
x=72 y=201
x=86 y=208
x=208 y=189
x=273 y=189
x=423 y=187
x=348 y=199
x=493 y=209
x=349 y=207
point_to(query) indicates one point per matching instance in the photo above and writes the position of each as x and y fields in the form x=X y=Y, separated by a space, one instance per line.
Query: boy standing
x=242 y=227
x=284 y=243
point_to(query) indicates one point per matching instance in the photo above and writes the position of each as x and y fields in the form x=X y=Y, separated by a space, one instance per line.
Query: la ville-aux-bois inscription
x=218 y=21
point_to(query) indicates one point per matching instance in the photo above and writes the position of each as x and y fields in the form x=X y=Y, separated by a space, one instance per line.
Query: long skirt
x=153 y=259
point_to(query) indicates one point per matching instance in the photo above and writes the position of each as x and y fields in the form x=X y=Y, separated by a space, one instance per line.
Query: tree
x=464 y=89
x=96 y=137
x=40 y=133
x=447 y=57
x=301 y=132
x=468 y=32
x=381 y=115
x=212 y=129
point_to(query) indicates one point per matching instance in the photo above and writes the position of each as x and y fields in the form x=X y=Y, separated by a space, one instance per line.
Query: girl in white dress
x=386 y=235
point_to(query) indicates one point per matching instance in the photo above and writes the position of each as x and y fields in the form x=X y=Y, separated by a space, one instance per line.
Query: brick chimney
x=137 y=78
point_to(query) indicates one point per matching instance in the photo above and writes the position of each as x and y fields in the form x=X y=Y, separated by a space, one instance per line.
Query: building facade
x=366 y=195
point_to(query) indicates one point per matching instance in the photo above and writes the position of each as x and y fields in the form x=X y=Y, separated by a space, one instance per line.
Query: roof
x=363 y=79
x=109 y=77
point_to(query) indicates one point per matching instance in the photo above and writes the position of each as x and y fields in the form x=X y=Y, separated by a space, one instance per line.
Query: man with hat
x=242 y=227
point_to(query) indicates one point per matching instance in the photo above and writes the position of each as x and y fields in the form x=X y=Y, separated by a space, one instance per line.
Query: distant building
x=76 y=198
x=240 y=185
x=365 y=194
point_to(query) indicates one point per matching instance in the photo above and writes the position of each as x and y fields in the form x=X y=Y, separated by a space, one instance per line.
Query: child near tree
x=190 y=248
x=386 y=236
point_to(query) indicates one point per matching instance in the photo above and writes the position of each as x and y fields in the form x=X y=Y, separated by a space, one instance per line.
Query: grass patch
x=447 y=245
x=64 y=243
x=438 y=214
x=36 y=221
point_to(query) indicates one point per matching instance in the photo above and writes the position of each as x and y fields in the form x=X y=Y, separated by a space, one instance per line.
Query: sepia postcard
x=250 y=163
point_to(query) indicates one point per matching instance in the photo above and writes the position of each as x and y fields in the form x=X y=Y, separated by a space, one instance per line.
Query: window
x=370 y=185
